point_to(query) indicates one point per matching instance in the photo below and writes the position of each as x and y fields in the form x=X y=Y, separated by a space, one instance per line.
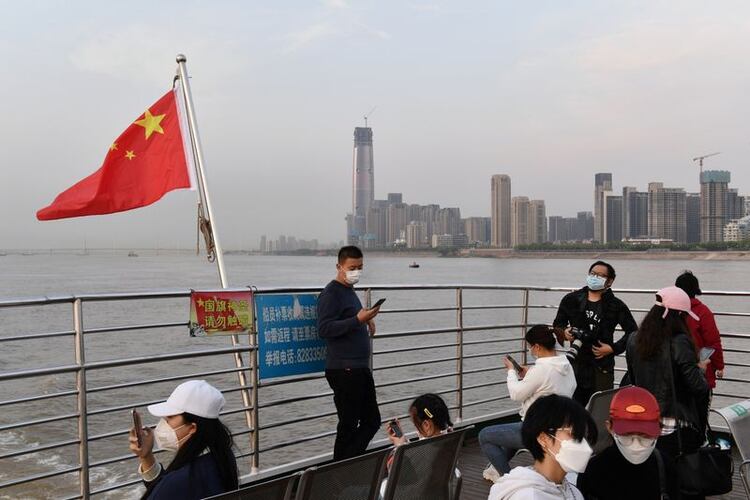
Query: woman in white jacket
x=558 y=432
x=551 y=374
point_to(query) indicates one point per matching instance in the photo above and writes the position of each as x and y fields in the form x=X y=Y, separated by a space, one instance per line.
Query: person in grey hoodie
x=551 y=374
x=559 y=433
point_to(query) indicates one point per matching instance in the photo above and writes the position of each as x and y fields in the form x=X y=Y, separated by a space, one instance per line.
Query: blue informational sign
x=288 y=342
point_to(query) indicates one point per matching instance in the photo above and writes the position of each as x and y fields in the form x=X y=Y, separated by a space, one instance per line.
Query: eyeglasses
x=629 y=439
x=594 y=273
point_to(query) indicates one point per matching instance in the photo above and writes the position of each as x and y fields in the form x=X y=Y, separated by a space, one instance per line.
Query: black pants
x=591 y=379
x=357 y=409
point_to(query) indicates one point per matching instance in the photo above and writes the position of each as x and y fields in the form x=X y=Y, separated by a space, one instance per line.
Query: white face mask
x=352 y=277
x=531 y=353
x=573 y=455
x=166 y=436
x=635 y=449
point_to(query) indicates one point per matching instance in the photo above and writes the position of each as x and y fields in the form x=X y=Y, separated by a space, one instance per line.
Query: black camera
x=579 y=337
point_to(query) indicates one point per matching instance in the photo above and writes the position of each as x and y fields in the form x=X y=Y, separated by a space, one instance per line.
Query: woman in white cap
x=204 y=463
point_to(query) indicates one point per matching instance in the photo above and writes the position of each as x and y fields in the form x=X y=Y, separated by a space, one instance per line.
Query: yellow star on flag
x=151 y=123
x=113 y=147
x=129 y=155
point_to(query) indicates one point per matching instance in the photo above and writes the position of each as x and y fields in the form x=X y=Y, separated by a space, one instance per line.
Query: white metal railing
x=457 y=335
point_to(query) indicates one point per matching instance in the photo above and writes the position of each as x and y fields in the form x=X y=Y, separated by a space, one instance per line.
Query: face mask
x=352 y=277
x=595 y=283
x=166 y=436
x=573 y=455
x=531 y=353
x=635 y=449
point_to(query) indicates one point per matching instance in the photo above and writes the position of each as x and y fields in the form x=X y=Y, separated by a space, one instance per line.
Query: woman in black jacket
x=661 y=355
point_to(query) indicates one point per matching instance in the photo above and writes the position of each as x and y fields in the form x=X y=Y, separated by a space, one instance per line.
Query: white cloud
x=307 y=36
x=336 y=4
x=144 y=53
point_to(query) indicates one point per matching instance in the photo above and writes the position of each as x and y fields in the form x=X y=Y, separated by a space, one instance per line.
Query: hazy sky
x=548 y=92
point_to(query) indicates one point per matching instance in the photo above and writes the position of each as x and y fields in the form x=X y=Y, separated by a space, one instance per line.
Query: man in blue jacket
x=344 y=324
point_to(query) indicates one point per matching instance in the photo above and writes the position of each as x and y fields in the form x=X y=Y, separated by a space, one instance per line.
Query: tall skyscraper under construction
x=714 y=187
x=363 y=188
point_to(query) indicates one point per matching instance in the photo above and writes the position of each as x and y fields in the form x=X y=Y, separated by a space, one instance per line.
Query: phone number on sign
x=309 y=354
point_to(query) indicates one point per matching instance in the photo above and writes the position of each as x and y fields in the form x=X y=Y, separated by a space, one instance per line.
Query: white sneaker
x=491 y=474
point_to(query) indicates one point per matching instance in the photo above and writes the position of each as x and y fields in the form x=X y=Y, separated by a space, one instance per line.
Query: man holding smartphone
x=346 y=326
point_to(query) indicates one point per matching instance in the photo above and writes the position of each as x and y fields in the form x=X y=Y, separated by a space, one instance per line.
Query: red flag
x=143 y=164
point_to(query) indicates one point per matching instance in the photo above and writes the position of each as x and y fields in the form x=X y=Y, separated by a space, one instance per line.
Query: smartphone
x=378 y=303
x=706 y=353
x=513 y=362
x=138 y=426
x=395 y=428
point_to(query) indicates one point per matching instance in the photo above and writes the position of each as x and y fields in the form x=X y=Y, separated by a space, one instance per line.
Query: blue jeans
x=499 y=443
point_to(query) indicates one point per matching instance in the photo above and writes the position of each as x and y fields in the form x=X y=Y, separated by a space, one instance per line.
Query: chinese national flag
x=147 y=161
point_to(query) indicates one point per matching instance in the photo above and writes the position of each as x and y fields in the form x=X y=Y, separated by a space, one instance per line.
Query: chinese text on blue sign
x=288 y=342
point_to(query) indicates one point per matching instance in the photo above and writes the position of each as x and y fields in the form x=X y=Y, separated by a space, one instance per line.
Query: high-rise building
x=395 y=198
x=537 y=220
x=735 y=205
x=377 y=225
x=585 y=227
x=667 y=213
x=450 y=221
x=478 y=230
x=263 y=244
x=416 y=235
x=693 y=218
x=501 y=211
x=714 y=187
x=519 y=221
x=556 y=229
x=634 y=213
x=396 y=222
x=602 y=183
x=363 y=190
x=612 y=217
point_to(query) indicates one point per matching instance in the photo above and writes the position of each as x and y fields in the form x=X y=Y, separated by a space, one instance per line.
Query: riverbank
x=608 y=254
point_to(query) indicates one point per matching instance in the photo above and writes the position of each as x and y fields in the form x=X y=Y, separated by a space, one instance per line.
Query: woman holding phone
x=204 y=463
x=551 y=374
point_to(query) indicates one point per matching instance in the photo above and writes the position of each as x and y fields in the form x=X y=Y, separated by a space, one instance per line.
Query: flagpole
x=249 y=402
x=198 y=150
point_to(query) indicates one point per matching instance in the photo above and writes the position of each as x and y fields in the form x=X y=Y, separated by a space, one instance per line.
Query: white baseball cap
x=194 y=396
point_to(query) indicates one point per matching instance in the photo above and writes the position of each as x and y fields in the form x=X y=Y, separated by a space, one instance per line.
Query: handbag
x=707 y=470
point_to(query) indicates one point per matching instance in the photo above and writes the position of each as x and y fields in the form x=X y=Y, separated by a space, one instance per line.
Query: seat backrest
x=738 y=420
x=598 y=408
x=355 y=478
x=276 y=489
x=424 y=469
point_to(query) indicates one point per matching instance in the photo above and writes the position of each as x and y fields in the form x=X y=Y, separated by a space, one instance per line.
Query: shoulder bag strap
x=662 y=475
x=674 y=395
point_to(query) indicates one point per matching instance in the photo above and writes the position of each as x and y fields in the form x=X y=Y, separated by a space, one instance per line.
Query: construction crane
x=700 y=159
x=368 y=114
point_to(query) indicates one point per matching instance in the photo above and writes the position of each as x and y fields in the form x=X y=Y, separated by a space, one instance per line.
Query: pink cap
x=675 y=299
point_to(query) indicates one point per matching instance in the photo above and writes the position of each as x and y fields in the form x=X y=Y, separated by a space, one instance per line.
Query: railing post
x=524 y=324
x=83 y=428
x=254 y=420
x=368 y=304
x=460 y=352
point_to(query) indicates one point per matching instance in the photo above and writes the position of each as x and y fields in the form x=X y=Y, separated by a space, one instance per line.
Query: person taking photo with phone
x=346 y=327
x=430 y=416
x=204 y=464
x=551 y=374
x=589 y=317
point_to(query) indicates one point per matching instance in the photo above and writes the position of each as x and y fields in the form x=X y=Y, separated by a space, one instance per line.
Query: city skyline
x=562 y=92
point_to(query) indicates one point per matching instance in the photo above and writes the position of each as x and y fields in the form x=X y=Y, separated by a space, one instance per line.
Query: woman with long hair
x=204 y=464
x=661 y=356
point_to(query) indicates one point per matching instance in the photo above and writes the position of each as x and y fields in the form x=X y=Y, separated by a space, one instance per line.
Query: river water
x=56 y=274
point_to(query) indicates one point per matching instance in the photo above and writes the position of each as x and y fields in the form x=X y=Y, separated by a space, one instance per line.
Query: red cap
x=634 y=409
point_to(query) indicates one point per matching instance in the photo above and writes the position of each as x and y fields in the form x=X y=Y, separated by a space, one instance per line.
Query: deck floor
x=472 y=462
